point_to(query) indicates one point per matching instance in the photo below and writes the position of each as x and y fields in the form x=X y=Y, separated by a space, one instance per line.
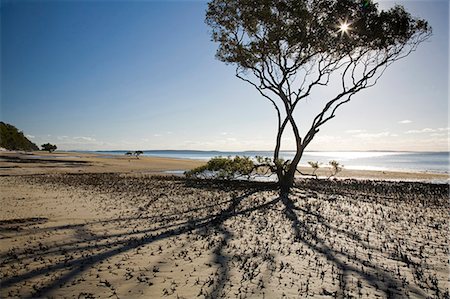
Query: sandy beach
x=12 y=163
x=87 y=226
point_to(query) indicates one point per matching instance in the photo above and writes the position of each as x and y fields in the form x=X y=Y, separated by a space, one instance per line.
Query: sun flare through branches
x=344 y=27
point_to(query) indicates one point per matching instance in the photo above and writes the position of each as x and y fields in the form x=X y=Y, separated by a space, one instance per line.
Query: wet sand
x=12 y=163
x=92 y=234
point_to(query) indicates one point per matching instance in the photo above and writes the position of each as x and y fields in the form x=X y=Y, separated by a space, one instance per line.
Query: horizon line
x=249 y=151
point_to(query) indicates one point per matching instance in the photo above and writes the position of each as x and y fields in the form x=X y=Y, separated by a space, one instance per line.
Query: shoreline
x=198 y=155
x=19 y=163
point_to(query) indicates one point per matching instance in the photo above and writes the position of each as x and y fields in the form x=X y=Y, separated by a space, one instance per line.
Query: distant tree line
x=13 y=139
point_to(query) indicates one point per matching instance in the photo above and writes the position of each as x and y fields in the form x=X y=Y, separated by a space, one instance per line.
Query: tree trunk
x=286 y=179
x=285 y=182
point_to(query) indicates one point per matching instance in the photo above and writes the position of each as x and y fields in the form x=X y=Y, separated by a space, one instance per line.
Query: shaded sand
x=12 y=163
x=140 y=236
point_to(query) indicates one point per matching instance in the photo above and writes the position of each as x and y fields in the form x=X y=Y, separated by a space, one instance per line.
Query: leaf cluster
x=223 y=168
x=251 y=32
x=315 y=166
x=336 y=167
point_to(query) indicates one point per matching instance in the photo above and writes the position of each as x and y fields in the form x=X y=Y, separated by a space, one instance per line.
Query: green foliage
x=282 y=164
x=335 y=168
x=251 y=31
x=12 y=139
x=223 y=168
x=315 y=166
x=261 y=159
x=49 y=147
x=271 y=166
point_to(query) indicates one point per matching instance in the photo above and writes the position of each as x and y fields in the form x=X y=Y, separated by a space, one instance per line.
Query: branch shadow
x=115 y=244
x=379 y=278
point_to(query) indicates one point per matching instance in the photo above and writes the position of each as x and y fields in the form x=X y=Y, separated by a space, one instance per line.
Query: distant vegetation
x=12 y=139
x=335 y=168
x=135 y=153
x=315 y=166
x=49 y=147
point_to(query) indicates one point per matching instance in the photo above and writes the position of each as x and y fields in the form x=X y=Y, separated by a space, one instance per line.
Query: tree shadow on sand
x=379 y=278
x=72 y=267
x=220 y=225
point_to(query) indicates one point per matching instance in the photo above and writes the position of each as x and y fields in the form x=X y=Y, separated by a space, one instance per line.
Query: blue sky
x=142 y=75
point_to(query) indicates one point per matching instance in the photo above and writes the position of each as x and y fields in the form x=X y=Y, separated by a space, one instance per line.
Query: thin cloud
x=77 y=139
x=327 y=138
x=374 y=135
x=354 y=131
x=405 y=121
x=427 y=130
x=84 y=138
x=229 y=143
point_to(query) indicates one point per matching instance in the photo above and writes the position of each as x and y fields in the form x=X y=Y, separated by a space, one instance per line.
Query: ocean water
x=436 y=162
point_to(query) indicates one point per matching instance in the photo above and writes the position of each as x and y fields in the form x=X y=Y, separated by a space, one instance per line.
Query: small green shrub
x=335 y=168
x=223 y=168
x=315 y=166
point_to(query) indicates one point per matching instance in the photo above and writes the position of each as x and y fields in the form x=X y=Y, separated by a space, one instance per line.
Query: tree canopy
x=49 y=147
x=292 y=32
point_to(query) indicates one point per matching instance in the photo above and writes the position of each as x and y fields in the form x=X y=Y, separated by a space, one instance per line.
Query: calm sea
x=437 y=162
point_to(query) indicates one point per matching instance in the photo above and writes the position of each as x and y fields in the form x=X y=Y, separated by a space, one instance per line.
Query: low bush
x=223 y=168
